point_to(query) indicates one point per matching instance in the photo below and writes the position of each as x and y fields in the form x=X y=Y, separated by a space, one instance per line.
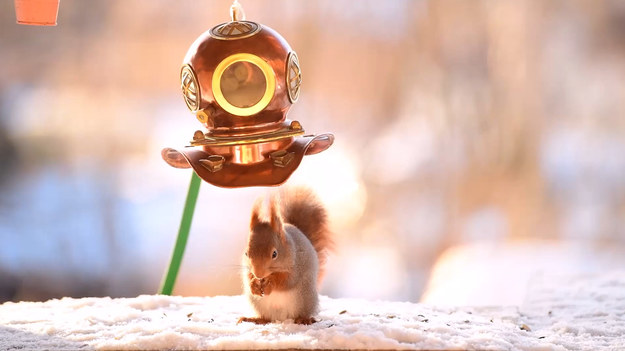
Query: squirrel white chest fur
x=279 y=305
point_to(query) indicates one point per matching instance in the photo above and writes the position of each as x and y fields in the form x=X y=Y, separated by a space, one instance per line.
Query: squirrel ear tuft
x=276 y=220
x=256 y=213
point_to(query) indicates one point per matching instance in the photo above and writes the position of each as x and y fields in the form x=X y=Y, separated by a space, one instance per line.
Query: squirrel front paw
x=305 y=320
x=267 y=285
x=262 y=287
x=255 y=320
x=256 y=287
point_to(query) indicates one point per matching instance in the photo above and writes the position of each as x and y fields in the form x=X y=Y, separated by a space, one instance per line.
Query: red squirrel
x=285 y=256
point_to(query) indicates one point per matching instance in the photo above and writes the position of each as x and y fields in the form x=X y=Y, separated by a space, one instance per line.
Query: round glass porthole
x=293 y=76
x=243 y=84
x=190 y=88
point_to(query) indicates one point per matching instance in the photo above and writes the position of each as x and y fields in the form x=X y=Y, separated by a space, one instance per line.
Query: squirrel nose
x=258 y=274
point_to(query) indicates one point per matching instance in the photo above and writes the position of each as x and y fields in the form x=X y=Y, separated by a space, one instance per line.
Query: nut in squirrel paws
x=267 y=285
x=256 y=287
x=262 y=287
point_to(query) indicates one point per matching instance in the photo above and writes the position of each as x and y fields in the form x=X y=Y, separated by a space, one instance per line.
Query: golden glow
x=336 y=179
x=270 y=86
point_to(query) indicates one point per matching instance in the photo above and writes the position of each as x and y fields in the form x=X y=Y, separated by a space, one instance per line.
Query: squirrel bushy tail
x=301 y=207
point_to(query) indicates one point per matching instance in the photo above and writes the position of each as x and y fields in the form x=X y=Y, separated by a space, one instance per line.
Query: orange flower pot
x=37 y=12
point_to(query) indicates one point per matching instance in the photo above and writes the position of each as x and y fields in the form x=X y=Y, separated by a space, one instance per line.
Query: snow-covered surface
x=578 y=312
x=575 y=313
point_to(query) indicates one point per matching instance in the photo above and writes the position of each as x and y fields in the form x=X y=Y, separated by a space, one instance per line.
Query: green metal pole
x=167 y=285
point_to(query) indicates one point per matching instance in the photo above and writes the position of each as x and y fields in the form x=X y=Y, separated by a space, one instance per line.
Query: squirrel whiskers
x=285 y=257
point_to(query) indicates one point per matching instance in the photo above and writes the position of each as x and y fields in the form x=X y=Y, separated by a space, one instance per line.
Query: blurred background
x=478 y=144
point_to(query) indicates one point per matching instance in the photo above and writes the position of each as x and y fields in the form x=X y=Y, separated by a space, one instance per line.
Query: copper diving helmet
x=239 y=79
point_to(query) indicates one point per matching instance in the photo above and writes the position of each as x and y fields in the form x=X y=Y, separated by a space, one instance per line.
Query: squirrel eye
x=274 y=254
x=245 y=253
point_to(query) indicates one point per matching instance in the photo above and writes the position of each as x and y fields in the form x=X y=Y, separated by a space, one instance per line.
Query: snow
x=590 y=310
x=585 y=313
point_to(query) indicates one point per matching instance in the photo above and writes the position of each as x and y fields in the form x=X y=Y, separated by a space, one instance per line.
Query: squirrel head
x=267 y=251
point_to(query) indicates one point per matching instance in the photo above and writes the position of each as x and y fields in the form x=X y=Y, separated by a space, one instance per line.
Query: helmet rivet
x=295 y=125
x=198 y=135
